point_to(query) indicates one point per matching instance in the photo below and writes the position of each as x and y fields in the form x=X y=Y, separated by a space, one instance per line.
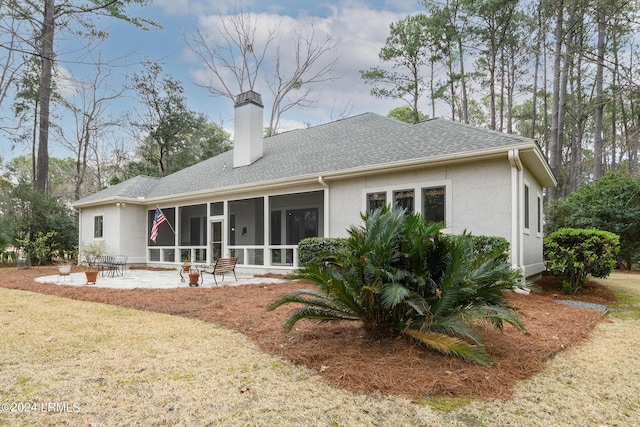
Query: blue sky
x=358 y=27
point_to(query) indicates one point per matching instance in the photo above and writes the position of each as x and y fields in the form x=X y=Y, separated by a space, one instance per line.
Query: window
x=433 y=204
x=526 y=207
x=98 y=226
x=432 y=199
x=403 y=199
x=376 y=201
x=539 y=215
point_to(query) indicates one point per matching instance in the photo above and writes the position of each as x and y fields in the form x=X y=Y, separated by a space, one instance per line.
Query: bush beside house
x=574 y=254
x=313 y=250
x=318 y=249
x=612 y=204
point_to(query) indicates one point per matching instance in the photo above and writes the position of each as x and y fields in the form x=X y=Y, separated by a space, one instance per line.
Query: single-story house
x=257 y=201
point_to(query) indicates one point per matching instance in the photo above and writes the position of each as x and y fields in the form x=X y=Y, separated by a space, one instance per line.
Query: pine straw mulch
x=341 y=353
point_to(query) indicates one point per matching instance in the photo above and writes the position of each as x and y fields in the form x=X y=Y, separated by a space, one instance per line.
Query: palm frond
x=497 y=315
x=316 y=314
x=393 y=294
x=455 y=325
x=295 y=297
x=451 y=346
x=334 y=286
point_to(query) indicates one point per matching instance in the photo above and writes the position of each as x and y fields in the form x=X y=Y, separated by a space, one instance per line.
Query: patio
x=164 y=279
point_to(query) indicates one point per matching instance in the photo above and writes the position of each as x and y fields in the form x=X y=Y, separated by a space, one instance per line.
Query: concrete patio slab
x=153 y=280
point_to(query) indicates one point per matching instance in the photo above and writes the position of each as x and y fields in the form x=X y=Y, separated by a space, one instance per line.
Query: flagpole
x=168 y=223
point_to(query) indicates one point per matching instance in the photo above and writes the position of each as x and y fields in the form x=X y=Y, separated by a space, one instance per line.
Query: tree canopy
x=611 y=203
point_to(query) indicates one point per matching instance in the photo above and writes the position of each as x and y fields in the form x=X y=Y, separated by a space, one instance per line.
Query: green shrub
x=399 y=276
x=319 y=249
x=498 y=246
x=573 y=254
x=612 y=203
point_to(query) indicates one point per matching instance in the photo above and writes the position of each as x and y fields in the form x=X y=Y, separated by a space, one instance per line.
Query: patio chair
x=106 y=265
x=120 y=263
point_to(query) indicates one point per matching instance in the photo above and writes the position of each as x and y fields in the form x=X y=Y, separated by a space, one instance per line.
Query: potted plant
x=91 y=252
x=186 y=265
x=194 y=276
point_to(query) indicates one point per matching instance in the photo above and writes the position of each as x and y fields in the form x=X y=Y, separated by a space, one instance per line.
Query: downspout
x=517 y=243
x=79 y=212
x=322 y=182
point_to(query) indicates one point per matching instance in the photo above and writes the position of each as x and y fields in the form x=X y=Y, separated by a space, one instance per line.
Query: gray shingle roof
x=361 y=141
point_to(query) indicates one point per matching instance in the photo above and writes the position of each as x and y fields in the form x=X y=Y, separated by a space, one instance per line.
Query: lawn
x=215 y=357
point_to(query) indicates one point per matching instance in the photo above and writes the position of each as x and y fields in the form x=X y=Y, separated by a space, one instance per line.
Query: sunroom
x=262 y=232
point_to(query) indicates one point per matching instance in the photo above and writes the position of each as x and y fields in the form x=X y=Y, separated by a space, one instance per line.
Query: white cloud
x=358 y=28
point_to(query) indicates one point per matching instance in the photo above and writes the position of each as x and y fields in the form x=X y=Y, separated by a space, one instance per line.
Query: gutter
x=517 y=216
x=325 y=221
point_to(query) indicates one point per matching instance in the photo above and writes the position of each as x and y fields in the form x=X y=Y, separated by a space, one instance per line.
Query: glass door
x=216 y=240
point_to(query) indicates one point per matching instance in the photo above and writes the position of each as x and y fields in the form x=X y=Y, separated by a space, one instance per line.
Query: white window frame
x=526 y=207
x=539 y=214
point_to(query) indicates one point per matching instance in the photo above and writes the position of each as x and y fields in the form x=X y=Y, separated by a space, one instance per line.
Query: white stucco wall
x=532 y=239
x=124 y=230
x=481 y=202
x=479 y=196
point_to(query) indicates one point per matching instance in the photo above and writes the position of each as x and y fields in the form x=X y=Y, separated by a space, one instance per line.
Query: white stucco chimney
x=247 y=129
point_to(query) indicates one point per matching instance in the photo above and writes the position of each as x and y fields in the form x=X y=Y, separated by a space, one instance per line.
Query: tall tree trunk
x=432 y=90
x=492 y=89
x=555 y=151
x=452 y=89
x=577 y=131
x=598 y=125
x=633 y=142
x=545 y=103
x=44 y=97
x=503 y=73
x=615 y=80
x=463 y=83
x=536 y=67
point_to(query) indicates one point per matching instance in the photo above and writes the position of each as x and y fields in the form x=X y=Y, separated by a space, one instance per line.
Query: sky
x=358 y=27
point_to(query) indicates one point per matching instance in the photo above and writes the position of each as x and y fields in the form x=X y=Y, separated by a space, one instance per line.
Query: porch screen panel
x=301 y=223
x=217 y=209
x=247 y=227
x=193 y=229
x=165 y=234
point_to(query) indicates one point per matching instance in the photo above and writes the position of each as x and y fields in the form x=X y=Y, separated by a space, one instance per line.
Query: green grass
x=445 y=404
x=626 y=307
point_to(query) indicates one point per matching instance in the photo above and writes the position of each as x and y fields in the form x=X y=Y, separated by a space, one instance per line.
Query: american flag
x=158 y=219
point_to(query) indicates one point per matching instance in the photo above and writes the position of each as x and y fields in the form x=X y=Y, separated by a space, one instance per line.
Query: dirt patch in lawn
x=342 y=354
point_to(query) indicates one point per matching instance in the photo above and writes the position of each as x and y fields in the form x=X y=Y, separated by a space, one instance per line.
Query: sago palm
x=401 y=276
